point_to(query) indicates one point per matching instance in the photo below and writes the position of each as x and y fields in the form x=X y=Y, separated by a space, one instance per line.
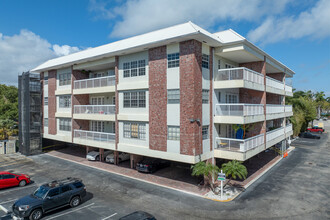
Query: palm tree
x=234 y=169
x=206 y=169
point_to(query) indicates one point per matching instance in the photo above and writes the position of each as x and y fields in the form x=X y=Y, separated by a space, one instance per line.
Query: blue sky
x=297 y=33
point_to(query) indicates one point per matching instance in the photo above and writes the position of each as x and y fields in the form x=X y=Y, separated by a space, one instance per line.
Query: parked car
x=10 y=179
x=95 y=155
x=139 y=215
x=315 y=129
x=309 y=135
x=121 y=157
x=150 y=165
x=48 y=197
x=325 y=119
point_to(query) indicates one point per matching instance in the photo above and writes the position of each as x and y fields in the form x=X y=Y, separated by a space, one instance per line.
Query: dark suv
x=50 y=196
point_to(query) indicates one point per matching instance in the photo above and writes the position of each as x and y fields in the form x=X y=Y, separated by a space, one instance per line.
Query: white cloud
x=314 y=23
x=140 y=16
x=25 y=51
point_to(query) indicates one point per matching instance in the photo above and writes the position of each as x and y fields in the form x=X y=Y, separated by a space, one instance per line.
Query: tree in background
x=7 y=128
x=8 y=102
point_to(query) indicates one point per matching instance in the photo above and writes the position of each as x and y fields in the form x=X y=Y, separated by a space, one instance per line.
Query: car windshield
x=40 y=192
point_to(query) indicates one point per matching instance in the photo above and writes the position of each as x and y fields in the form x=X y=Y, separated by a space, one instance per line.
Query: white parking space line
x=17 y=189
x=7 y=201
x=3 y=209
x=110 y=216
x=70 y=211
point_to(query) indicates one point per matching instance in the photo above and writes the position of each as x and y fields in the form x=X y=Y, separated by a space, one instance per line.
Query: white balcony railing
x=274 y=83
x=288 y=128
x=273 y=109
x=95 y=109
x=95 y=82
x=241 y=73
x=288 y=108
x=238 y=109
x=241 y=145
x=270 y=135
x=95 y=136
x=288 y=88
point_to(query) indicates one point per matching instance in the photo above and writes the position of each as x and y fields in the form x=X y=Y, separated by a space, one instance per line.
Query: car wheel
x=35 y=214
x=97 y=158
x=119 y=160
x=75 y=201
x=22 y=183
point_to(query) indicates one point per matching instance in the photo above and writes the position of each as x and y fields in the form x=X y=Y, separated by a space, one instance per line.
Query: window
x=98 y=100
x=78 y=185
x=45 y=122
x=173 y=60
x=205 y=61
x=135 y=130
x=205 y=96
x=66 y=188
x=97 y=126
x=65 y=124
x=54 y=192
x=231 y=98
x=173 y=96
x=228 y=66
x=219 y=64
x=65 y=79
x=230 y=131
x=7 y=176
x=65 y=101
x=45 y=100
x=173 y=133
x=205 y=132
x=134 y=68
x=135 y=99
x=46 y=80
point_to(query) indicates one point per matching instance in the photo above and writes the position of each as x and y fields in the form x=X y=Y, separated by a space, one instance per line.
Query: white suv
x=121 y=157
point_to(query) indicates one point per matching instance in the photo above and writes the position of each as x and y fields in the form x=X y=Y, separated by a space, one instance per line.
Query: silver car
x=121 y=157
x=95 y=155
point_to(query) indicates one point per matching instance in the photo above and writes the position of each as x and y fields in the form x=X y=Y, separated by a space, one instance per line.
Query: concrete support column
x=87 y=149
x=116 y=158
x=134 y=160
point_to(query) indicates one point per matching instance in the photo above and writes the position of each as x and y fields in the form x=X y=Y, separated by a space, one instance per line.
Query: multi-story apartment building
x=179 y=93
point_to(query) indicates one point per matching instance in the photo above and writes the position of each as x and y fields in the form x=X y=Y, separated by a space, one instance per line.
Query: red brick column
x=158 y=98
x=51 y=102
x=211 y=98
x=190 y=97
x=116 y=101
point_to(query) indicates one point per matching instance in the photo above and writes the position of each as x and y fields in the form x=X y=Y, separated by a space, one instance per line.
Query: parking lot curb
x=156 y=184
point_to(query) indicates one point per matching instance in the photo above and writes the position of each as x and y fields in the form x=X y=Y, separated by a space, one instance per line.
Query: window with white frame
x=231 y=98
x=173 y=133
x=229 y=66
x=134 y=68
x=205 y=132
x=65 y=101
x=135 y=99
x=45 y=100
x=205 y=96
x=46 y=80
x=173 y=60
x=230 y=131
x=64 y=79
x=97 y=100
x=135 y=130
x=173 y=96
x=205 y=61
x=97 y=126
x=45 y=122
x=65 y=124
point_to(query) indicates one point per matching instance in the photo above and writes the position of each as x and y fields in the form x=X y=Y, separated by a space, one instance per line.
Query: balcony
x=243 y=149
x=274 y=86
x=95 y=112
x=238 y=78
x=95 y=139
x=238 y=113
x=94 y=85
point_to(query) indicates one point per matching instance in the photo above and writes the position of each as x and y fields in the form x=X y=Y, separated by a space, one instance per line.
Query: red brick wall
x=278 y=76
x=211 y=98
x=158 y=98
x=273 y=99
x=251 y=96
x=117 y=101
x=255 y=129
x=80 y=124
x=51 y=102
x=190 y=97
